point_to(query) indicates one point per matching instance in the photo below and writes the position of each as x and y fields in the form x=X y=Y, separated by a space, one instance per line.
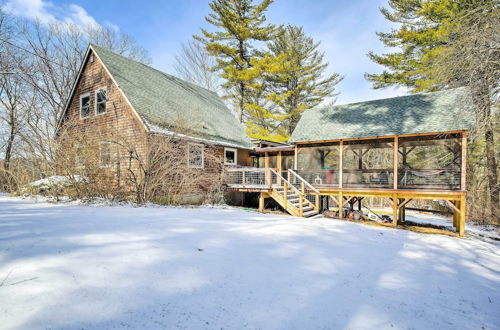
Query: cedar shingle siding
x=132 y=124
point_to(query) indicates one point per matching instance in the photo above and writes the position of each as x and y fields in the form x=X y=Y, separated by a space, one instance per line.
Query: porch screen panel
x=430 y=162
x=318 y=164
x=368 y=164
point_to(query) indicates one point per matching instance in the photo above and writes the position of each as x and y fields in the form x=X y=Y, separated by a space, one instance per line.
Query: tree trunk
x=8 y=149
x=491 y=164
x=484 y=106
x=242 y=101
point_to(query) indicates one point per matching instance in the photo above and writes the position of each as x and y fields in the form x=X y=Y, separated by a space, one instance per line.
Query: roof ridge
x=394 y=97
x=152 y=68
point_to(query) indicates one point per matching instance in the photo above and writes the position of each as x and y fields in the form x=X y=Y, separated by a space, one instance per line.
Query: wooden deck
x=261 y=181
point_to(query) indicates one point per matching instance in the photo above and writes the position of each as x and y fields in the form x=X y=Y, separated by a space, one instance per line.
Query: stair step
x=309 y=214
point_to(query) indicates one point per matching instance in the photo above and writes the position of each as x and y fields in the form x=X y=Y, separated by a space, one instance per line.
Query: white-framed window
x=100 y=101
x=196 y=155
x=105 y=154
x=85 y=105
x=230 y=156
x=79 y=156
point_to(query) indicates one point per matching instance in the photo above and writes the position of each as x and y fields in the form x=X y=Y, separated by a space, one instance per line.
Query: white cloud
x=79 y=16
x=32 y=9
x=46 y=12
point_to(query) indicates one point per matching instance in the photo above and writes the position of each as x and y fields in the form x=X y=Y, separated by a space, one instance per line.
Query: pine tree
x=424 y=31
x=301 y=84
x=264 y=118
x=240 y=24
x=448 y=43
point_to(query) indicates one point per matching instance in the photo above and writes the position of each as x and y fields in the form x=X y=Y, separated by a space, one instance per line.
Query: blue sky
x=346 y=29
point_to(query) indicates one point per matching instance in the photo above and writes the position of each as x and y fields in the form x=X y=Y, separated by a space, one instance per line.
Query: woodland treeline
x=268 y=72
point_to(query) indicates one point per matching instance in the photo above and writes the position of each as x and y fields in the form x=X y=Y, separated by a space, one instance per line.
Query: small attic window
x=91 y=59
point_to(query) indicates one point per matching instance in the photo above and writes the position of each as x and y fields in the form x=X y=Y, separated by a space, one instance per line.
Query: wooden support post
x=318 y=196
x=278 y=161
x=301 y=206
x=341 y=205
x=456 y=213
x=463 y=168
x=285 y=195
x=400 y=213
x=394 y=210
x=268 y=173
x=268 y=178
x=461 y=221
x=295 y=158
x=341 y=157
x=244 y=178
x=360 y=159
x=302 y=187
x=261 y=202
x=396 y=148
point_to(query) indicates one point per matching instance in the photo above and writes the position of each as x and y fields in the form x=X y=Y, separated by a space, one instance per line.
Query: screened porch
x=418 y=162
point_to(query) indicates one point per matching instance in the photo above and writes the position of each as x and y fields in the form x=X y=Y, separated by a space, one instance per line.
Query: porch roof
x=443 y=111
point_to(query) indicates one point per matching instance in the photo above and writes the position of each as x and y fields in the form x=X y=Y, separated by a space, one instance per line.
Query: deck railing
x=311 y=193
x=248 y=177
x=263 y=178
x=438 y=179
x=320 y=178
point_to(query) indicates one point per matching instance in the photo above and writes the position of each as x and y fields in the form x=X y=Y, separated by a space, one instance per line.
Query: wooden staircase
x=295 y=200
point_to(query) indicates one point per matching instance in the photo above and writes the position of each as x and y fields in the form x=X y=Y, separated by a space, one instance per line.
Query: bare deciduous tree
x=472 y=59
x=193 y=64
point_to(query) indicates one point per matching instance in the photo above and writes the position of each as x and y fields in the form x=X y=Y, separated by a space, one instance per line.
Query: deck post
x=285 y=194
x=463 y=167
x=301 y=206
x=261 y=202
x=341 y=205
x=341 y=147
x=456 y=214
x=394 y=209
x=400 y=213
x=395 y=175
x=461 y=221
x=295 y=158
x=317 y=201
x=278 y=161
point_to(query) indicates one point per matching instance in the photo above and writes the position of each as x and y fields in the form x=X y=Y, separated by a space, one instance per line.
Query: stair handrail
x=310 y=186
x=289 y=184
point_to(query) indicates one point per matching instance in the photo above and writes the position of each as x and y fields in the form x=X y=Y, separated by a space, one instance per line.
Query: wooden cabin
x=403 y=149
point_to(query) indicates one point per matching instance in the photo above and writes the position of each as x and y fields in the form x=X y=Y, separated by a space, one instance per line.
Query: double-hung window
x=195 y=155
x=230 y=156
x=79 y=157
x=84 y=105
x=105 y=154
x=100 y=101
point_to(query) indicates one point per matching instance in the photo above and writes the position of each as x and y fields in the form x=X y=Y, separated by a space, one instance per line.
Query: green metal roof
x=442 y=111
x=165 y=102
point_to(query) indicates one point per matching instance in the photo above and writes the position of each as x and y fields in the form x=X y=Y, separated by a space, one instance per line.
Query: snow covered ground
x=82 y=267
